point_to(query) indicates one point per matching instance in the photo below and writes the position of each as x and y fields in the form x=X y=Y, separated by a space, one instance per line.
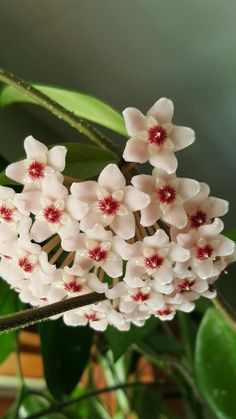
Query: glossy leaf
x=119 y=342
x=215 y=364
x=7 y=305
x=82 y=105
x=82 y=161
x=65 y=353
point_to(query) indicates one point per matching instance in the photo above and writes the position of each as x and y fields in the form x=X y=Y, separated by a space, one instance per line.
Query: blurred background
x=129 y=53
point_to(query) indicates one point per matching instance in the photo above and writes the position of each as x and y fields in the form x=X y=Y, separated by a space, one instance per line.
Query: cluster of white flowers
x=151 y=243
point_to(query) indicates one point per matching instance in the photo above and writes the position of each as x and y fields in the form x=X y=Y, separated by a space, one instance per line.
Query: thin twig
x=93 y=393
x=56 y=109
x=34 y=315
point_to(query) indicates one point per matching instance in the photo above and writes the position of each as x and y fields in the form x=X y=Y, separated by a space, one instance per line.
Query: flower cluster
x=151 y=243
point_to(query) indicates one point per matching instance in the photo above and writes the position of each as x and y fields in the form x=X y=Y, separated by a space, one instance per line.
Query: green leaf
x=65 y=351
x=82 y=105
x=147 y=402
x=231 y=234
x=8 y=300
x=120 y=341
x=33 y=403
x=215 y=364
x=85 y=161
x=82 y=161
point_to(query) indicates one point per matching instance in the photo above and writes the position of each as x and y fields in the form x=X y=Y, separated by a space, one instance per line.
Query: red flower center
x=92 y=317
x=6 y=214
x=97 y=254
x=72 y=286
x=25 y=264
x=154 y=262
x=164 y=312
x=204 y=252
x=198 y=219
x=108 y=205
x=52 y=214
x=157 y=135
x=186 y=285
x=140 y=296
x=36 y=170
x=167 y=194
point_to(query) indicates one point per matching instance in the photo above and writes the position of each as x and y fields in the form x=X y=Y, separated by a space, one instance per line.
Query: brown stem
x=35 y=315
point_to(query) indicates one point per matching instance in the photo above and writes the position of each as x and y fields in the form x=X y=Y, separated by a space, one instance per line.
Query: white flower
x=154 y=137
x=110 y=202
x=167 y=197
x=39 y=163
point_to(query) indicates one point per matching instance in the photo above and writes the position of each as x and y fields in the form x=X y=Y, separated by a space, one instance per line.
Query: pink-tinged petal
x=6 y=233
x=71 y=244
x=40 y=231
x=182 y=137
x=162 y=110
x=209 y=294
x=11 y=273
x=117 y=291
x=217 y=207
x=204 y=269
x=210 y=230
x=164 y=159
x=187 y=188
x=90 y=219
x=113 y=268
x=186 y=306
x=81 y=263
x=28 y=201
x=55 y=294
x=53 y=189
x=200 y=286
x=76 y=208
x=17 y=171
x=144 y=183
x=99 y=233
x=133 y=271
x=111 y=178
x=202 y=194
x=47 y=267
x=6 y=193
x=135 y=200
x=39 y=289
x=159 y=239
x=186 y=240
x=24 y=228
x=96 y=285
x=135 y=121
x=178 y=254
x=225 y=247
x=99 y=325
x=150 y=214
x=85 y=191
x=163 y=275
x=34 y=148
x=71 y=318
x=126 y=250
x=163 y=288
x=176 y=216
x=127 y=306
x=69 y=230
x=134 y=282
x=135 y=151
x=56 y=157
x=124 y=226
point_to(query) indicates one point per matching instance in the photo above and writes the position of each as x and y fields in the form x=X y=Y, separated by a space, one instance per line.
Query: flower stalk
x=59 y=111
x=35 y=315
